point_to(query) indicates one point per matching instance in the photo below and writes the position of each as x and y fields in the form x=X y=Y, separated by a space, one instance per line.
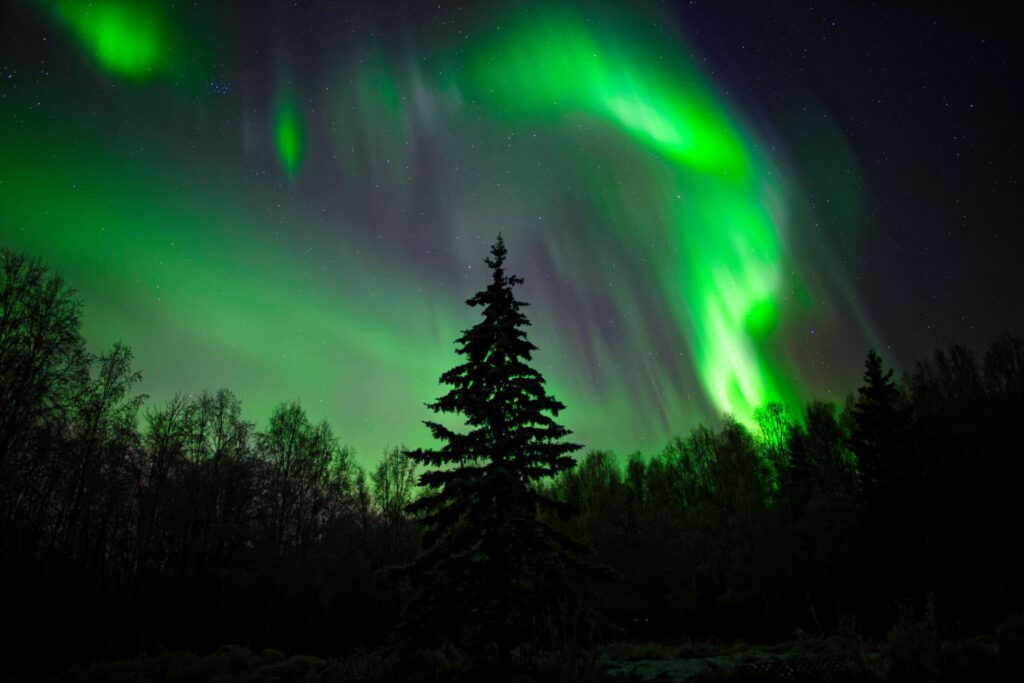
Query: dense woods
x=127 y=525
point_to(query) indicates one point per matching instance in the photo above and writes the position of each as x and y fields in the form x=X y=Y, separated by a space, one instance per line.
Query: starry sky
x=714 y=205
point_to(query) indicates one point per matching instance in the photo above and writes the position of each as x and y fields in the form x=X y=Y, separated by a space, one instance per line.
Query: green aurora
x=719 y=254
x=128 y=39
x=315 y=238
x=288 y=134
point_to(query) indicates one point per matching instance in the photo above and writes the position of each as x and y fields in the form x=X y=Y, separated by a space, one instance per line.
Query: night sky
x=714 y=205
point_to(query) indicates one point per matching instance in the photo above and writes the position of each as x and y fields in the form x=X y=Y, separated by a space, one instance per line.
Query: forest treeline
x=126 y=525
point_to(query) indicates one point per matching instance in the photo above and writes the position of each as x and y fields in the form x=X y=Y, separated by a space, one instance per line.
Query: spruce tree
x=880 y=424
x=879 y=439
x=491 y=569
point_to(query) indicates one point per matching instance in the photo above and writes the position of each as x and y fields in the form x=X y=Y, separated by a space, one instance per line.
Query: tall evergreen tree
x=879 y=431
x=879 y=440
x=490 y=567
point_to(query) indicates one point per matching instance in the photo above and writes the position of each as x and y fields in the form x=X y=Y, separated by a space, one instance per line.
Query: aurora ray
x=126 y=37
x=288 y=134
x=310 y=233
x=722 y=270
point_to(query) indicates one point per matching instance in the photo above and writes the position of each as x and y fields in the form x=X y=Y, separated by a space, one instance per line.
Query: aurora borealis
x=294 y=200
x=127 y=39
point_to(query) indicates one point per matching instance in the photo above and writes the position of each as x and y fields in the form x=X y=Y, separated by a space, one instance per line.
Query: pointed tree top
x=874 y=368
x=498 y=252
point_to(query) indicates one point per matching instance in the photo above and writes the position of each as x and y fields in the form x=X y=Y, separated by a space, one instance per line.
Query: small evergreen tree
x=490 y=568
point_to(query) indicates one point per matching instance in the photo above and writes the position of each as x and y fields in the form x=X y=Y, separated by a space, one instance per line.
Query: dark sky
x=930 y=97
x=714 y=204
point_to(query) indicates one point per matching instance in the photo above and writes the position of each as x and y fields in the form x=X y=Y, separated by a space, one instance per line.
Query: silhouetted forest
x=128 y=526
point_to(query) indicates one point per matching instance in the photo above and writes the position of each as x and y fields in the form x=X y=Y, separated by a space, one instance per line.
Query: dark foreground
x=912 y=651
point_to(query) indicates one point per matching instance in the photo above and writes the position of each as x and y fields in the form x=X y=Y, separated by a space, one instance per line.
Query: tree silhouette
x=490 y=567
x=302 y=461
x=43 y=361
x=879 y=440
x=879 y=428
x=394 y=488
